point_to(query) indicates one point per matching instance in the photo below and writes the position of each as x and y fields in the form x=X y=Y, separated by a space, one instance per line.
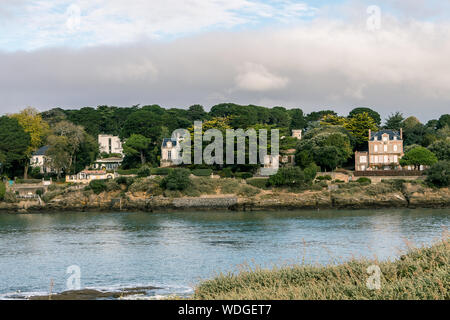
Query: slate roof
x=41 y=151
x=174 y=142
x=379 y=135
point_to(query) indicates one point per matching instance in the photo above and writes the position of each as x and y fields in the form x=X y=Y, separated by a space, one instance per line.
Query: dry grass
x=420 y=274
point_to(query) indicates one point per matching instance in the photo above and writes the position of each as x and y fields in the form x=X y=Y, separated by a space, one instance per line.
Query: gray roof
x=380 y=134
x=41 y=151
x=174 y=142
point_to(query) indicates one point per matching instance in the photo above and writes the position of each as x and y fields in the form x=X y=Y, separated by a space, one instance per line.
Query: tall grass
x=420 y=274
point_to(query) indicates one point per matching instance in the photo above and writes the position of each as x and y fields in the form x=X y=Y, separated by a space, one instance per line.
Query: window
x=395 y=158
x=376 y=159
x=363 y=159
x=385 y=148
x=375 y=148
x=385 y=138
x=169 y=155
x=395 y=147
x=386 y=159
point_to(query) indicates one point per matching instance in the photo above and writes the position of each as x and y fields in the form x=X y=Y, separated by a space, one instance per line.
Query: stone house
x=385 y=149
x=87 y=176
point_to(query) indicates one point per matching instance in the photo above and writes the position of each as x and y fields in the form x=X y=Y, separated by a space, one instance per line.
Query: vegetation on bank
x=421 y=274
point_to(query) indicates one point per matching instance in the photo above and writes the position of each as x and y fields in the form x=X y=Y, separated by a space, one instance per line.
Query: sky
x=390 y=55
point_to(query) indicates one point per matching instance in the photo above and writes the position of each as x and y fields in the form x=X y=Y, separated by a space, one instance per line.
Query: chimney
x=401 y=133
x=370 y=134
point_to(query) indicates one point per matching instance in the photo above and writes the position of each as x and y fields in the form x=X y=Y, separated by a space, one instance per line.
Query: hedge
x=2 y=191
x=128 y=171
x=243 y=175
x=160 y=171
x=202 y=172
x=30 y=181
x=98 y=186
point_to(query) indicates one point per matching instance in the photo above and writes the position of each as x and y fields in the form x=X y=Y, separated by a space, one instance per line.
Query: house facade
x=170 y=151
x=86 y=176
x=385 y=149
x=40 y=160
x=112 y=163
x=110 y=144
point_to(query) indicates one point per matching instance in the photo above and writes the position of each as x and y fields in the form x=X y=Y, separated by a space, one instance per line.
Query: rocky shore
x=368 y=197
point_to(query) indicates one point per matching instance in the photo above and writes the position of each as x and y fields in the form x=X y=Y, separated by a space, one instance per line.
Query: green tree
x=439 y=174
x=74 y=137
x=31 y=121
x=394 y=121
x=373 y=114
x=58 y=153
x=359 y=126
x=298 y=120
x=137 y=144
x=418 y=156
x=441 y=149
x=14 y=144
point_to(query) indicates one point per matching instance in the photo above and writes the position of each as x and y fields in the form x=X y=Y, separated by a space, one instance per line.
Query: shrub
x=112 y=185
x=202 y=172
x=126 y=181
x=202 y=185
x=127 y=172
x=293 y=177
x=227 y=172
x=364 y=181
x=248 y=191
x=39 y=192
x=98 y=186
x=258 y=182
x=2 y=191
x=327 y=177
x=150 y=186
x=144 y=171
x=28 y=181
x=161 y=171
x=229 y=186
x=243 y=175
x=177 y=179
x=339 y=181
x=439 y=174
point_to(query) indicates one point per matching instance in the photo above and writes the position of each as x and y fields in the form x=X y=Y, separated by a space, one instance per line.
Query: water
x=175 y=250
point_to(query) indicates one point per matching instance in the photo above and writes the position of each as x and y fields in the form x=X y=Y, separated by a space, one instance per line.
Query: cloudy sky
x=391 y=55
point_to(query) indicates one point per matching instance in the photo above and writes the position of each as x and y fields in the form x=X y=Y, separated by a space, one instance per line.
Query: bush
x=261 y=183
x=161 y=171
x=229 y=186
x=125 y=181
x=2 y=191
x=339 y=181
x=327 y=177
x=144 y=171
x=243 y=175
x=439 y=174
x=177 y=179
x=39 y=192
x=202 y=172
x=127 y=172
x=227 y=173
x=293 y=177
x=28 y=181
x=248 y=191
x=364 y=181
x=112 y=185
x=202 y=185
x=98 y=186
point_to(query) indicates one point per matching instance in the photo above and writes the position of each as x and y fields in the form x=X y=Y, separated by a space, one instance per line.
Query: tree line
x=329 y=139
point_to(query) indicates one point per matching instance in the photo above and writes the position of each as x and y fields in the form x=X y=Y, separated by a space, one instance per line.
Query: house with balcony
x=385 y=149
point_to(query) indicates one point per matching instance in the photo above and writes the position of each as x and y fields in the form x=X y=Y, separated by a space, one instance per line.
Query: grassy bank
x=420 y=274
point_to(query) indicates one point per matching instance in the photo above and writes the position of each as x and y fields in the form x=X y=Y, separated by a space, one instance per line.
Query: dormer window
x=385 y=138
x=169 y=144
x=375 y=138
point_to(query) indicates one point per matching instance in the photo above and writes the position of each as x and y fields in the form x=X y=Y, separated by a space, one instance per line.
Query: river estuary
x=174 y=251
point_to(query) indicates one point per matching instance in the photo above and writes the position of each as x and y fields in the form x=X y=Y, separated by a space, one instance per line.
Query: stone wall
x=216 y=202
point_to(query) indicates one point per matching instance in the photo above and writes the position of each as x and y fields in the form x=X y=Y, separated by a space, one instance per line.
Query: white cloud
x=255 y=77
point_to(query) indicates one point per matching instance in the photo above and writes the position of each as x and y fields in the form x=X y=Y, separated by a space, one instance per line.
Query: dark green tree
x=373 y=114
x=394 y=121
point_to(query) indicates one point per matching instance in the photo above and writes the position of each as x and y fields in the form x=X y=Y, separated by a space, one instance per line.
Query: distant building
x=40 y=160
x=112 y=163
x=297 y=134
x=87 y=176
x=170 y=151
x=385 y=149
x=110 y=144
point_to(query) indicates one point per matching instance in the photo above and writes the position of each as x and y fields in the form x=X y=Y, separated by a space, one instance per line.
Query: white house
x=110 y=144
x=111 y=163
x=297 y=134
x=39 y=159
x=170 y=151
x=87 y=176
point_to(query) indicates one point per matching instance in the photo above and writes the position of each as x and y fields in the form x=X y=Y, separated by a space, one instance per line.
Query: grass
x=421 y=274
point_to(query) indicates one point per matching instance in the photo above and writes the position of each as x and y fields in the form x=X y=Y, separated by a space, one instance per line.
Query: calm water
x=175 y=250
